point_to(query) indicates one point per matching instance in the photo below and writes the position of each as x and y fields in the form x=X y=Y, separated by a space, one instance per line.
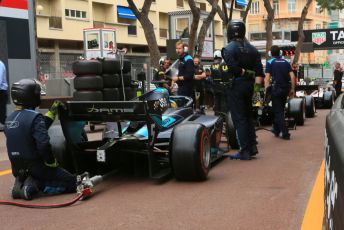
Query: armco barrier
x=334 y=167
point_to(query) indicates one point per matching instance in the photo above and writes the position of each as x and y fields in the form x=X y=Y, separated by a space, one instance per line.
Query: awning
x=125 y=12
x=241 y=3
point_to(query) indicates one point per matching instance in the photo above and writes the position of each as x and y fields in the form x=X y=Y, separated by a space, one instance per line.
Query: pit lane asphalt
x=270 y=192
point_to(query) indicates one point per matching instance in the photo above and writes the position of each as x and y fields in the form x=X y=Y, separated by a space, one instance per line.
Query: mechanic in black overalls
x=219 y=94
x=33 y=163
x=162 y=73
x=186 y=71
x=337 y=79
x=243 y=61
x=279 y=72
x=199 y=82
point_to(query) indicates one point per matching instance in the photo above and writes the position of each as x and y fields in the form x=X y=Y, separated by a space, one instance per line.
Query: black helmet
x=236 y=29
x=26 y=93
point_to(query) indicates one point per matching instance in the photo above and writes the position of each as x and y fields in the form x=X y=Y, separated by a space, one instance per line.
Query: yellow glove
x=256 y=88
x=54 y=110
x=52 y=165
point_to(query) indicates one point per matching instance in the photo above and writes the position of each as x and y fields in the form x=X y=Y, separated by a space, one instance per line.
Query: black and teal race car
x=143 y=134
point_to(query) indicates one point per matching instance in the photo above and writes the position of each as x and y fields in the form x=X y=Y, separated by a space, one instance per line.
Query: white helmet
x=161 y=61
x=217 y=54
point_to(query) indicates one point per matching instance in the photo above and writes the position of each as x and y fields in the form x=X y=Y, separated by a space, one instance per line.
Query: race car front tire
x=328 y=99
x=59 y=148
x=310 y=106
x=190 y=152
x=296 y=110
x=231 y=132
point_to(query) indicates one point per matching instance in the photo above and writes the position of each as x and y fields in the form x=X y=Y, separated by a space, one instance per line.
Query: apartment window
x=254 y=8
x=318 y=26
x=203 y=6
x=132 y=30
x=291 y=6
x=276 y=6
x=317 y=10
x=180 y=3
x=75 y=14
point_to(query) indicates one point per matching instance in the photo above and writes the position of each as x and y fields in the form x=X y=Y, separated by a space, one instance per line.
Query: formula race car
x=296 y=109
x=149 y=135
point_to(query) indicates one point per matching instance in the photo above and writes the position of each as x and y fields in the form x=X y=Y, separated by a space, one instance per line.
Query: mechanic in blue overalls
x=186 y=71
x=244 y=62
x=279 y=72
x=33 y=163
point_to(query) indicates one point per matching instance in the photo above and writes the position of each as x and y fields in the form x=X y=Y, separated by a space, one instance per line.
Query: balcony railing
x=55 y=22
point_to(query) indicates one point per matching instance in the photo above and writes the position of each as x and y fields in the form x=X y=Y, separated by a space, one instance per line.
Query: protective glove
x=55 y=164
x=256 y=88
x=54 y=110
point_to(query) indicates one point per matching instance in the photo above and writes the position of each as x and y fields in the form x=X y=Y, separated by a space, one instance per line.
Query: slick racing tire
x=190 y=152
x=310 y=106
x=126 y=80
x=111 y=94
x=88 y=83
x=111 y=80
x=87 y=67
x=231 y=132
x=296 y=109
x=130 y=93
x=59 y=149
x=113 y=66
x=85 y=95
x=328 y=99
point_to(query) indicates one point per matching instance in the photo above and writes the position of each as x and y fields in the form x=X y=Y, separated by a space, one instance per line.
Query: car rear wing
x=114 y=110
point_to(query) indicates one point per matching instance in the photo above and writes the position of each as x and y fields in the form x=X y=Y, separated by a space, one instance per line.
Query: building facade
x=287 y=15
x=60 y=25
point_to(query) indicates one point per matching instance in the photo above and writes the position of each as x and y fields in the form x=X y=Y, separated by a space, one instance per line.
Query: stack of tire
x=88 y=82
x=112 y=80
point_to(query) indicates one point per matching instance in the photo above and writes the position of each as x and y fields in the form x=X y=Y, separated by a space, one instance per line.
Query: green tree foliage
x=331 y=4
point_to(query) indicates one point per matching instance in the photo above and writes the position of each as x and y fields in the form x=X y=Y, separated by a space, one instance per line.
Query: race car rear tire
x=111 y=94
x=111 y=80
x=85 y=95
x=87 y=82
x=231 y=132
x=310 y=106
x=297 y=111
x=328 y=99
x=87 y=67
x=190 y=152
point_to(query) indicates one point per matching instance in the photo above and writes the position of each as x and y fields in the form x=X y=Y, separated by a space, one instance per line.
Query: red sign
x=18 y=4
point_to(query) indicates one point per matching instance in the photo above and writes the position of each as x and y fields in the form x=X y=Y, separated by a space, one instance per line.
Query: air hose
x=85 y=193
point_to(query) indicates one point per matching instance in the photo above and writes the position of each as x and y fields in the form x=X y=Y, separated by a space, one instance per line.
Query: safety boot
x=29 y=189
x=17 y=187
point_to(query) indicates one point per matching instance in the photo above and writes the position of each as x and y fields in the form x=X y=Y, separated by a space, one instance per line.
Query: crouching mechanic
x=33 y=163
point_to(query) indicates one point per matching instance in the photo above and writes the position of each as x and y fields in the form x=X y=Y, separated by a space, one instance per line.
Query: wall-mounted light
x=39 y=9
